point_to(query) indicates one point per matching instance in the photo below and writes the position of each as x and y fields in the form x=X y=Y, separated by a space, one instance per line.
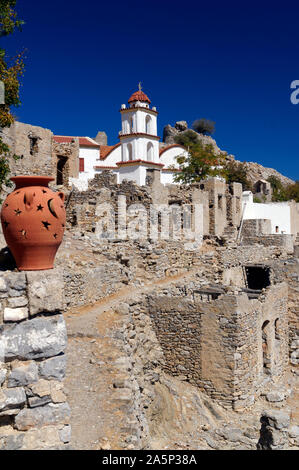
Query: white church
x=139 y=148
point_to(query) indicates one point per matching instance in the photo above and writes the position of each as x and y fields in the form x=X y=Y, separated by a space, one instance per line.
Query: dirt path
x=99 y=410
x=102 y=413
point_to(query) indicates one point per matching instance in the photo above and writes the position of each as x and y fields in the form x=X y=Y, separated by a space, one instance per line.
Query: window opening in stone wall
x=61 y=170
x=258 y=277
x=33 y=142
x=265 y=347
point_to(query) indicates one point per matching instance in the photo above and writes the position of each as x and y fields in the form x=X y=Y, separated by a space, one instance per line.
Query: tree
x=200 y=162
x=204 y=126
x=11 y=71
x=278 y=190
x=187 y=138
x=235 y=172
x=292 y=191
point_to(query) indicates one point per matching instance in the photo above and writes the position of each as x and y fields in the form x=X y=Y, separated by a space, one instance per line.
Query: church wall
x=113 y=157
x=141 y=122
x=139 y=148
x=133 y=173
x=168 y=158
x=91 y=158
x=167 y=177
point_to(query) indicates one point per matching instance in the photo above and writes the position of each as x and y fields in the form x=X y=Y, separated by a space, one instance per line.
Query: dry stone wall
x=221 y=204
x=279 y=240
x=34 y=413
x=33 y=146
x=213 y=339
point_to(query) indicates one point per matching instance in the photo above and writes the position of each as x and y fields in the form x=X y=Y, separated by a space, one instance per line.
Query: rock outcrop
x=255 y=171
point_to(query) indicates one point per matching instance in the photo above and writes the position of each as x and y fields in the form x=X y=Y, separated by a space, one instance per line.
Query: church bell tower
x=138 y=136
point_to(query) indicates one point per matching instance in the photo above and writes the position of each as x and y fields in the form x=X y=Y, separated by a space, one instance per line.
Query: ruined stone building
x=217 y=312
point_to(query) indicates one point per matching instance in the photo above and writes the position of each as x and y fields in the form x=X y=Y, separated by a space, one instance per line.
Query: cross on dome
x=139 y=96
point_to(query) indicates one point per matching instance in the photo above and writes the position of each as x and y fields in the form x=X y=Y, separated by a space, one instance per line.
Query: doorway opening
x=61 y=170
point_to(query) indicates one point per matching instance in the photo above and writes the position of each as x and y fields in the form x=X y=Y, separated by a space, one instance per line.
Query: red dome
x=139 y=96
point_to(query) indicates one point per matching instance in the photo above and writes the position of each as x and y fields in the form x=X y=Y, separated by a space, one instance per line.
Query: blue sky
x=232 y=62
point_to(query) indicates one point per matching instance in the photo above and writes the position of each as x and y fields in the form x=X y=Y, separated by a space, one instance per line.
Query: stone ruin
x=231 y=330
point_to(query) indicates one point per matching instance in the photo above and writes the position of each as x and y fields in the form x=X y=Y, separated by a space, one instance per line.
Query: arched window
x=130 y=152
x=131 y=125
x=150 y=152
x=148 y=125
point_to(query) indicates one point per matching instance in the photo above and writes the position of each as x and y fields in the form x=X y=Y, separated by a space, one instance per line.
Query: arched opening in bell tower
x=148 y=124
x=131 y=125
x=150 y=152
x=130 y=152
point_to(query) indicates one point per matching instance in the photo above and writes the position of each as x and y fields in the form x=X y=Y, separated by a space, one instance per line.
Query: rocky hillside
x=255 y=170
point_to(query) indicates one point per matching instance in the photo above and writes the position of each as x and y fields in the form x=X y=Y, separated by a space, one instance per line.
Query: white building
x=139 y=148
x=279 y=213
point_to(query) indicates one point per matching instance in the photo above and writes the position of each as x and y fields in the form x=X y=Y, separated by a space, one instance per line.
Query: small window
x=81 y=165
x=33 y=144
x=258 y=277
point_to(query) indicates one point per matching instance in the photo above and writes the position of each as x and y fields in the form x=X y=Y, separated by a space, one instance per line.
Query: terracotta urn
x=33 y=222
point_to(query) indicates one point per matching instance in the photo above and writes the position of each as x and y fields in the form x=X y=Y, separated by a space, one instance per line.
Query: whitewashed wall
x=139 y=146
x=278 y=213
x=91 y=158
x=112 y=158
x=168 y=157
x=133 y=173
x=167 y=177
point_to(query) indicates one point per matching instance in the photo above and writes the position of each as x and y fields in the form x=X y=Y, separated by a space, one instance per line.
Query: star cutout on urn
x=17 y=212
x=40 y=207
x=55 y=235
x=46 y=224
x=5 y=223
x=23 y=232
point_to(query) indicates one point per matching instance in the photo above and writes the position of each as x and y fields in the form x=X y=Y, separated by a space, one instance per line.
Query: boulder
x=34 y=339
